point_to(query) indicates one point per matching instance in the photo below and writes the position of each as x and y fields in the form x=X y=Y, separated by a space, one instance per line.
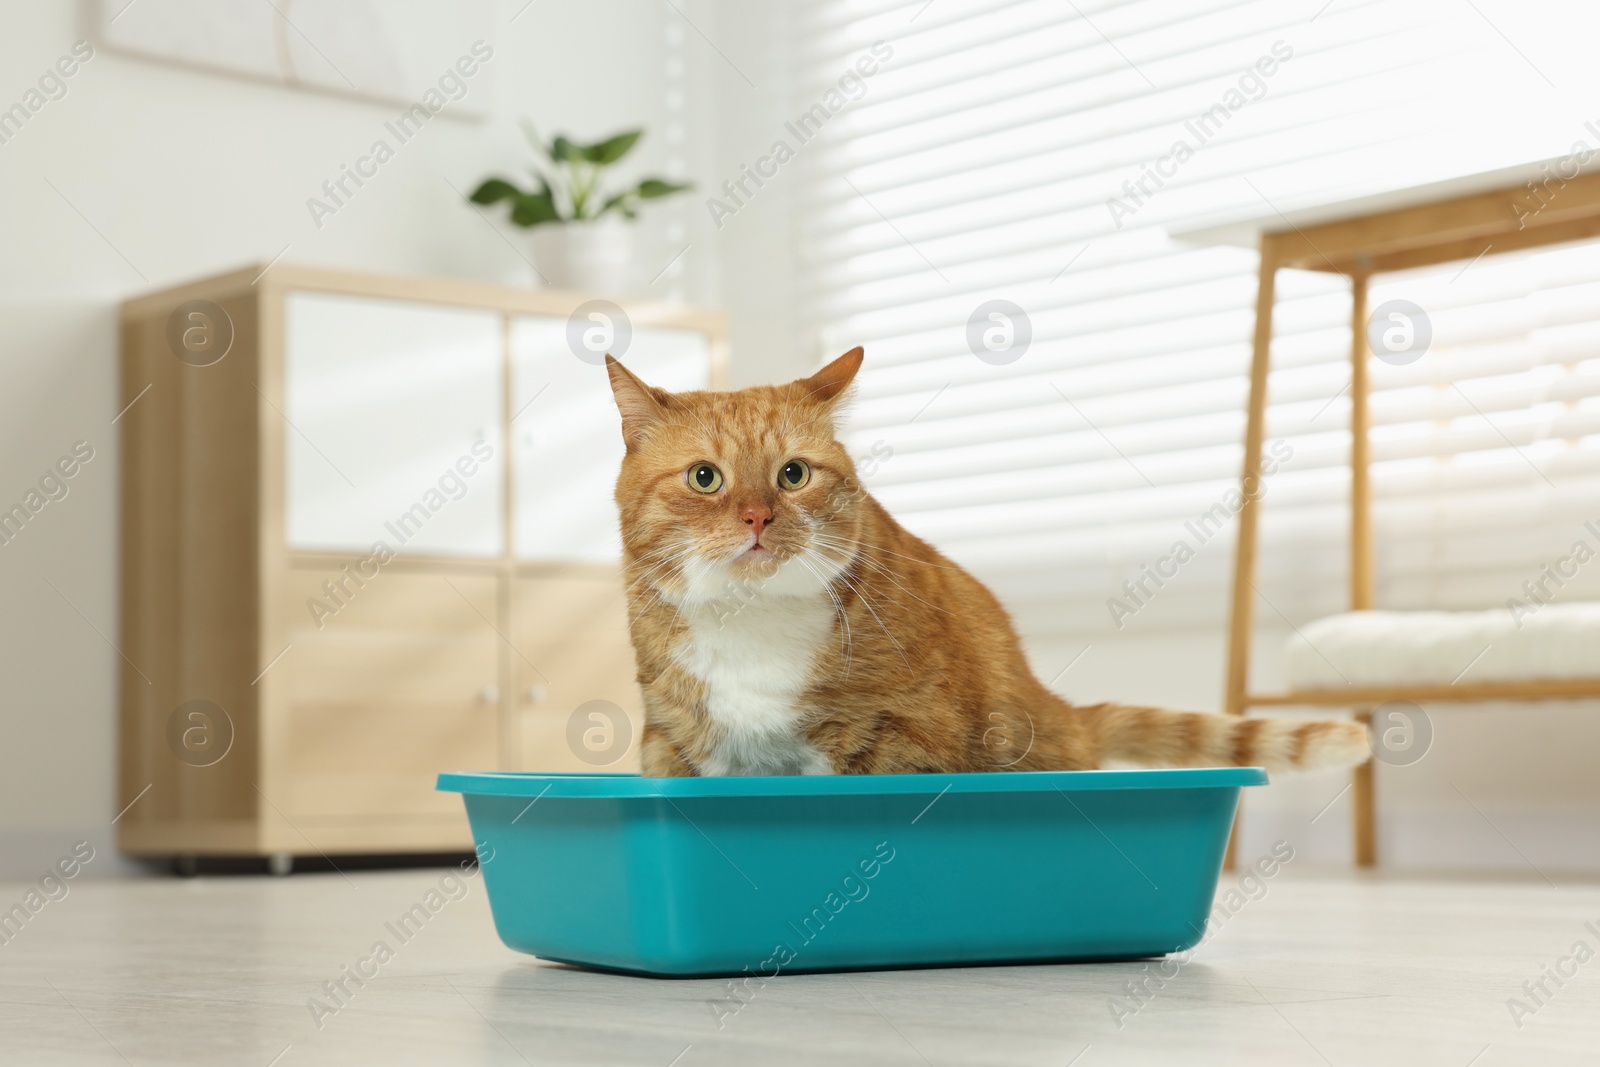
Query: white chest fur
x=755 y=662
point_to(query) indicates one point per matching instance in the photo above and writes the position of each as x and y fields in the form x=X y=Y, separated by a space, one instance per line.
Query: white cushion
x=1367 y=648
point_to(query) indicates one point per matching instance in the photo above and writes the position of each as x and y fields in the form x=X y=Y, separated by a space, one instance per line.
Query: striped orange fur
x=784 y=623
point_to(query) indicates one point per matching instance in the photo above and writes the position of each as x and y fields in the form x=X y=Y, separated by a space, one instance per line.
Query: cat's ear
x=829 y=384
x=641 y=405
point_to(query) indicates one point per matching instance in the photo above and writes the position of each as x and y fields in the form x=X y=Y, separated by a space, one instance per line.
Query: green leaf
x=493 y=191
x=604 y=153
x=655 y=188
x=627 y=201
x=530 y=209
x=564 y=151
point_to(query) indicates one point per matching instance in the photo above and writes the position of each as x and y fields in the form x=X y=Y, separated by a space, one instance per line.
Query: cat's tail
x=1154 y=737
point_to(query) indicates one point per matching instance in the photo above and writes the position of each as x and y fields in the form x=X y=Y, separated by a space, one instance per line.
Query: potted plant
x=577 y=228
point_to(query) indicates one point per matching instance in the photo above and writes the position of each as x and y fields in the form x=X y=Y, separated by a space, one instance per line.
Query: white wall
x=185 y=174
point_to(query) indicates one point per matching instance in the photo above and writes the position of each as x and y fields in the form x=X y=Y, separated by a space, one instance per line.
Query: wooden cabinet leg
x=1230 y=859
x=1365 y=807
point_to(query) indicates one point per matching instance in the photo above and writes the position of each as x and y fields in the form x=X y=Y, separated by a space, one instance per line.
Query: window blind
x=1006 y=152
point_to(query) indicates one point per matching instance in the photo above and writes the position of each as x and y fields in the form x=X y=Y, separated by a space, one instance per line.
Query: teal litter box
x=710 y=876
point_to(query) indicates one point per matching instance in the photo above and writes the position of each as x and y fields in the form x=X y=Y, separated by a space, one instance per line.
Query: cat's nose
x=758 y=516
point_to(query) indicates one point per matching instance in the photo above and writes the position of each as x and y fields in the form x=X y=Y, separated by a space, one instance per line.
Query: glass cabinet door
x=394 y=414
x=568 y=437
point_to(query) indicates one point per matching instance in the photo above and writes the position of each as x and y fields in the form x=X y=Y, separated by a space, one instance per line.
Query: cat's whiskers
x=690 y=578
x=900 y=555
x=657 y=599
x=647 y=577
x=671 y=554
x=818 y=537
x=838 y=607
x=670 y=549
x=867 y=603
x=866 y=560
x=650 y=599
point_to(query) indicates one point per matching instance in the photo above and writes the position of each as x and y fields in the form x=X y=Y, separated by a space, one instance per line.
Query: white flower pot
x=591 y=257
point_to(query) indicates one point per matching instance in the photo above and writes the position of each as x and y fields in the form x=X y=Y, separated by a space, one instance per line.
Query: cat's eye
x=704 y=478
x=795 y=473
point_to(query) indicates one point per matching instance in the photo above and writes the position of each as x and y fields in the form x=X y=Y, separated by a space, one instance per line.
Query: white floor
x=1325 y=970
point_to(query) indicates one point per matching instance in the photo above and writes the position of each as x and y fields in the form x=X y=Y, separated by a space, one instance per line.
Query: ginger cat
x=784 y=623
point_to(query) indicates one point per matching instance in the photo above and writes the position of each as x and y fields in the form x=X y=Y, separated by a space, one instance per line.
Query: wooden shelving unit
x=319 y=732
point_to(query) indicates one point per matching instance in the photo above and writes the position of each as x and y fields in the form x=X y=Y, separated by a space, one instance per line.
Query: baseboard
x=1418 y=839
x=26 y=854
x=1536 y=843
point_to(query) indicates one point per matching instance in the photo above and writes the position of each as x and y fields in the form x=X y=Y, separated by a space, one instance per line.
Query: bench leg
x=1364 y=808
